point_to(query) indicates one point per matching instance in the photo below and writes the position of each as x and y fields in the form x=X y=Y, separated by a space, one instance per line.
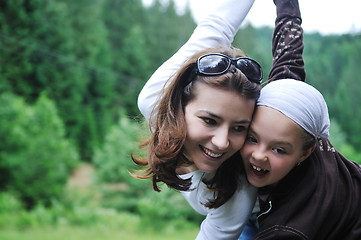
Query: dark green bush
x=338 y=140
x=158 y=209
x=35 y=156
x=113 y=161
x=113 y=165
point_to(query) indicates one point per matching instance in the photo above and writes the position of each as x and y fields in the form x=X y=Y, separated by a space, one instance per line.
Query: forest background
x=70 y=73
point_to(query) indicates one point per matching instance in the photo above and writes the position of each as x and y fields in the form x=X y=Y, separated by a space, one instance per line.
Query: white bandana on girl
x=300 y=102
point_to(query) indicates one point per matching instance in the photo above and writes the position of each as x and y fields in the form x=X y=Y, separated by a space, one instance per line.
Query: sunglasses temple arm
x=191 y=77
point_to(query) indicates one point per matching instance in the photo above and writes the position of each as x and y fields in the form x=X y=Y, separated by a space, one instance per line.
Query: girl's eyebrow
x=244 y=121
x=277 y=142
x=284 y=143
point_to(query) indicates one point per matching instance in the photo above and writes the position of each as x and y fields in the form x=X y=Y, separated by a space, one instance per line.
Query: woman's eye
x=209 y=121
x=239 y=128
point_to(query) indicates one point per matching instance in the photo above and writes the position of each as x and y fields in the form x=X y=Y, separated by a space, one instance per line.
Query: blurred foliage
x=168 y=205
x=338 y=139
x=92 y=59
x=70 y=75
x=82 y=211
x=35 y=157
x=332 y=65
x=113 y=164
x=119 y=144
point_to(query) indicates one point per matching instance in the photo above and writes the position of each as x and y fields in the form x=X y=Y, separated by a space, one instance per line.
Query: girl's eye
x=251 y=139
x=279 y=150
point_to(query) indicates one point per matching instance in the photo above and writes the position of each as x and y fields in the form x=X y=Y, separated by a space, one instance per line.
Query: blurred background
x=70 y=73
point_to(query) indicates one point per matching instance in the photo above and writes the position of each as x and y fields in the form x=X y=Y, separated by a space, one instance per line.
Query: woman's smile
x=210 y=153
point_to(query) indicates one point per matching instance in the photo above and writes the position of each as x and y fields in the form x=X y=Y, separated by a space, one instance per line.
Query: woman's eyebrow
x=243 y=121
x=209 y=113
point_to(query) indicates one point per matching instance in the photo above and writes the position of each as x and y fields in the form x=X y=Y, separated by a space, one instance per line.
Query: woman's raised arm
x=217 y=28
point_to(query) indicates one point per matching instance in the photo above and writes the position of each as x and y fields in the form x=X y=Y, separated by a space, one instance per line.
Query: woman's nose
x=221 y=139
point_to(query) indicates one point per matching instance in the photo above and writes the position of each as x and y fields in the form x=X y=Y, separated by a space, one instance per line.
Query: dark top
x=319 y=199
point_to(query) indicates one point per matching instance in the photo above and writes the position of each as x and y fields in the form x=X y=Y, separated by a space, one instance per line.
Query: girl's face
x=217 y=121
x=273 y=147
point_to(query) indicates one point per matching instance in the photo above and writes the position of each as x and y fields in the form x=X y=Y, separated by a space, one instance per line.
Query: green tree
x=166 y=31
x=124 y=21
x=114 y=164
x=256 y=43
x=332 y=67
x=339 y=140
x=61 y=47
x=112 y=160
x=141 y=39
x=34 y=153
x=94 y=93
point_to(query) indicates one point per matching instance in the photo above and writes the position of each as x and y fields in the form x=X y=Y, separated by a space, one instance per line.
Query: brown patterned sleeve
x=287 y=43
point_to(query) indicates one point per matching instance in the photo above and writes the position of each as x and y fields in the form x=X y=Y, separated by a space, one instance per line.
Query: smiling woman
x=216 y=123
x=201 y=121
x=199 y=104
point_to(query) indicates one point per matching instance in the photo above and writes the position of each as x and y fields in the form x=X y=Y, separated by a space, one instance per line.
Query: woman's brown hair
x=168 y=129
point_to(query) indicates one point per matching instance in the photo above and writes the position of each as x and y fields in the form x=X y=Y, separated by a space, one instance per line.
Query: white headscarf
x=300 y=102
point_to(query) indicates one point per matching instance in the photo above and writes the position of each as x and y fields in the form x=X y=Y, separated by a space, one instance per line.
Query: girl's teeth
x=256 y=168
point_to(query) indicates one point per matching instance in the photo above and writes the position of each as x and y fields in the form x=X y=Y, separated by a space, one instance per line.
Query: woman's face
x=273 y=147
x=217 y=121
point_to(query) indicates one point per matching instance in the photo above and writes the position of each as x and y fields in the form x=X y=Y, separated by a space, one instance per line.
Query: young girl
x=200 y=121
x=307 y=189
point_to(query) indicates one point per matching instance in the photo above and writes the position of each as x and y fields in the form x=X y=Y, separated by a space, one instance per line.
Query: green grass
x=92 y=233
x=82 y=217
x=40 y=225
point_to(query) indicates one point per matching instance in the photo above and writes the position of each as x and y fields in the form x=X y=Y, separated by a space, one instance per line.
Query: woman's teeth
x=211 y=154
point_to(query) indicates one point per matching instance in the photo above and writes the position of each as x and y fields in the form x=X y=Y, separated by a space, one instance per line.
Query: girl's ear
x=307 y=153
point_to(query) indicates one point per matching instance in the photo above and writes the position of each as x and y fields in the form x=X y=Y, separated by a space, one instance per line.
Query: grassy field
x=92 y=233
x=81 y=217
x=42 y=224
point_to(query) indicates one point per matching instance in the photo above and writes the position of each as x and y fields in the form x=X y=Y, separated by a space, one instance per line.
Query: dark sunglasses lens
x=250 y=68
x=213 y=64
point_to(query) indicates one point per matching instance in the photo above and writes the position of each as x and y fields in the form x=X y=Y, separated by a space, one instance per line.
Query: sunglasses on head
x=216 y=64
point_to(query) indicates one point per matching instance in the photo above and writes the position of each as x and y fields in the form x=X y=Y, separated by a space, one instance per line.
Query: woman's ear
x=307 y=153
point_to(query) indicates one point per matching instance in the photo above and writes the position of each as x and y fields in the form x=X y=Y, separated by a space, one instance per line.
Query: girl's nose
x=259 y=154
